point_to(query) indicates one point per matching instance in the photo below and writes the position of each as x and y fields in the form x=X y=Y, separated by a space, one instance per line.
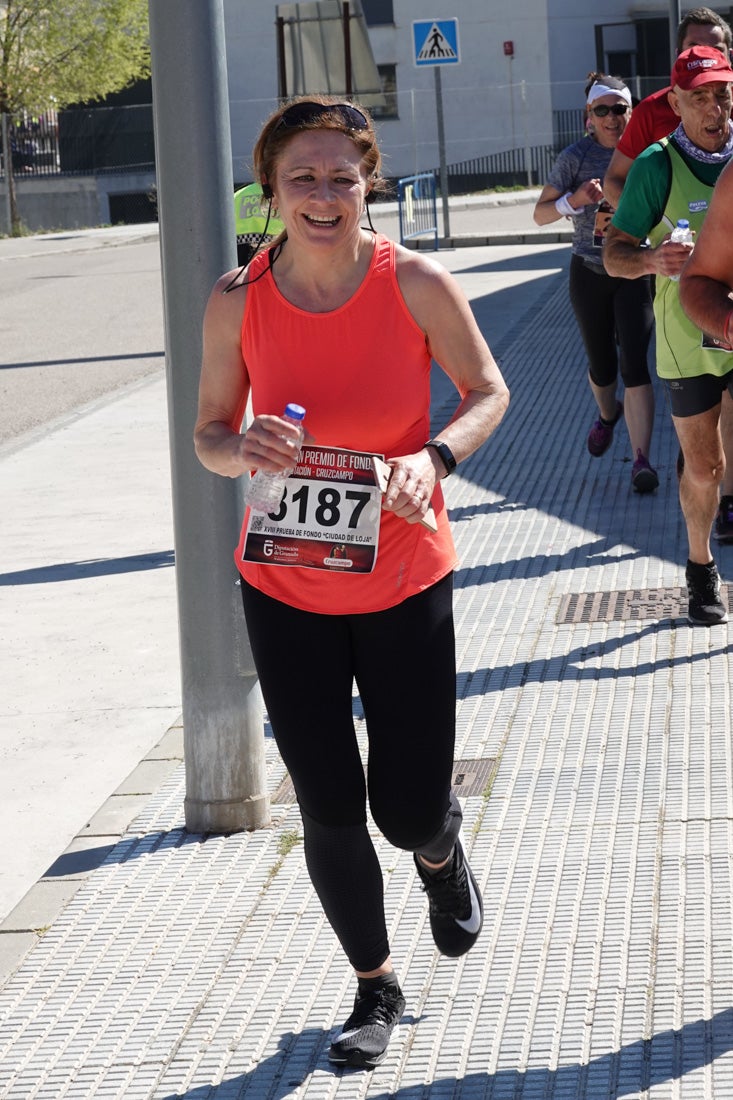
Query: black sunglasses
x=300 y=114
x=603 y=109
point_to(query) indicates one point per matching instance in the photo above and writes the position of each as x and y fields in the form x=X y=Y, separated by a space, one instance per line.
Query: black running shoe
x=364 y=1038
x=723 y=526
x=705 y=607
x=456 y=907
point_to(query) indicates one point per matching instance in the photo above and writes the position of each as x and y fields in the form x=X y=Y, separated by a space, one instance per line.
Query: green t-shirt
x=646 y=191
x=663 y=186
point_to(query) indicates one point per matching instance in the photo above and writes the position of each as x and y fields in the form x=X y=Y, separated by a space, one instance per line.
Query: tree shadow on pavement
x=668 y=1056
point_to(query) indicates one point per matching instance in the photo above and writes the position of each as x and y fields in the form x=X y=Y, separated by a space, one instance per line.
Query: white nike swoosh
x=473 y=923
x=355 y=1031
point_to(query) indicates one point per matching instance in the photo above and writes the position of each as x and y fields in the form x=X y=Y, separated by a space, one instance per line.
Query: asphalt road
x=75 y=324
x=81 y=313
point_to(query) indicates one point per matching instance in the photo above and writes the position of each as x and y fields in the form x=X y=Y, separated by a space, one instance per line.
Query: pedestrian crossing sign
x=435 y=42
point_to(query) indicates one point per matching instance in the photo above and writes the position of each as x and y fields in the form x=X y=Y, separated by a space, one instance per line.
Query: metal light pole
x=441 y=151
x=222 y=704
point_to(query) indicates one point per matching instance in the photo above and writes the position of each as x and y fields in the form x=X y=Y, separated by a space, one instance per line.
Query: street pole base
x=227 y=816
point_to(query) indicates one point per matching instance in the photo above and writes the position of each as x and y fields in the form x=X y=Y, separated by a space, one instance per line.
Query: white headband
x=598 y=90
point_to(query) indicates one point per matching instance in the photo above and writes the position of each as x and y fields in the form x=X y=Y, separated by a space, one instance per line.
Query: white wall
x=490 y=103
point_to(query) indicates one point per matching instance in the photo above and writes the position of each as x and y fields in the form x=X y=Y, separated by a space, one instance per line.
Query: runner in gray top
x=615 y=316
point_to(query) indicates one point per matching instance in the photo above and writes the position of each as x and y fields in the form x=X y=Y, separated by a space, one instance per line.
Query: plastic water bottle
x=265 y=489
x=681 y=234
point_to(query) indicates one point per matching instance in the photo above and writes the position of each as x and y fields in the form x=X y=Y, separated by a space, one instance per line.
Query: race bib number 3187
x=328 y=517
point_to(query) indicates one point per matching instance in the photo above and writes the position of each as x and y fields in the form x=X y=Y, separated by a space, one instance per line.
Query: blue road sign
x=435 y=42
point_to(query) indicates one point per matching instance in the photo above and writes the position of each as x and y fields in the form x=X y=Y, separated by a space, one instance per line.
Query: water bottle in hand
x=681 y=234
x=265 y=490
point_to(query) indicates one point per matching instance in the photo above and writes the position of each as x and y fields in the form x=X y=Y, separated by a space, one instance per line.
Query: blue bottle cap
x=295 y=412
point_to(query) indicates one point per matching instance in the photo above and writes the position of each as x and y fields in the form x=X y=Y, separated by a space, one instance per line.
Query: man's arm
x=624 y=258
x=615 y=177
x=707 y=281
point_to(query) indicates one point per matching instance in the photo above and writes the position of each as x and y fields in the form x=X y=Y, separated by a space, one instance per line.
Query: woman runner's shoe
x=364 y=1038
x=456 y=907
x=643 y=478
x=601 y=434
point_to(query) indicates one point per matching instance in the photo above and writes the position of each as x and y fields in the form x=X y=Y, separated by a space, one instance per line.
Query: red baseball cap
x=700 y=65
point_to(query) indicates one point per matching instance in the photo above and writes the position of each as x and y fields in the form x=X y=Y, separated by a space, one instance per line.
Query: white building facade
x=521 y=65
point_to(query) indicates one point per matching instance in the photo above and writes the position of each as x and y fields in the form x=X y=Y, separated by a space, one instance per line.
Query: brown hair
x=613 y=83
x=702 y=17
x=274 y=137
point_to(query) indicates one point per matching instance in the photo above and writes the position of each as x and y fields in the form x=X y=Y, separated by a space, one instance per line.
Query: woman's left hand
x=411 y=485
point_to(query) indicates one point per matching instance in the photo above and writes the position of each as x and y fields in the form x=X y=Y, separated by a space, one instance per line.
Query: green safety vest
x=250 y=214
x=683 y=351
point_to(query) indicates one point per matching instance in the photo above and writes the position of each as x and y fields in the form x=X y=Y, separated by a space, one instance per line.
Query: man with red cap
x=653 y=118
x=671 y=180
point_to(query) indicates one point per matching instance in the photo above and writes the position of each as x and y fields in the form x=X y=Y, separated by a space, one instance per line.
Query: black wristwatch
x=445 y=453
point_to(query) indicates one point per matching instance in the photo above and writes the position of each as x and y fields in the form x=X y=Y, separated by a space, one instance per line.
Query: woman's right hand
x=271 y=443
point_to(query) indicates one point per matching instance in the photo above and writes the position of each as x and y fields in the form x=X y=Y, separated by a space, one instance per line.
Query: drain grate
x=470 y=779
x=635 y=603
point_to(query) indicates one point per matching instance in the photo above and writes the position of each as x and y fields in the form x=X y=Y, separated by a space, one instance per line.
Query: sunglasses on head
x=300 y=114
x=603 y=109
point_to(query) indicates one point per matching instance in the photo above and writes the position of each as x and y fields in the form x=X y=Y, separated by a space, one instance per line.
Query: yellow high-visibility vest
x=250 y=215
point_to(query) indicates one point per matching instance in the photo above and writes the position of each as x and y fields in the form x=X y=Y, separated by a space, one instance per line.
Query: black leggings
x=403 y=662
x=610 y=310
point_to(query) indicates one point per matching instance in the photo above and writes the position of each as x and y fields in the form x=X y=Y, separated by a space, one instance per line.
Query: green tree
x=56 y=52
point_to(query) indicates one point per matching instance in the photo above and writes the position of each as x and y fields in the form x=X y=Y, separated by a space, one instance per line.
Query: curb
x=47 y=898
x=560 y=236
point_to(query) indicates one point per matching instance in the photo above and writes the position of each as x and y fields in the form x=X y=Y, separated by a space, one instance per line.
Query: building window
x=378 y=12
x=388 y=81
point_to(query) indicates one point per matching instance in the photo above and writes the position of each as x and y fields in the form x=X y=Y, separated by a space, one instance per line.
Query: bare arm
x=615 y=177
x=269 y=443
x=624 y=258
x=545 y=210
x=440 y=308
x=707 y=280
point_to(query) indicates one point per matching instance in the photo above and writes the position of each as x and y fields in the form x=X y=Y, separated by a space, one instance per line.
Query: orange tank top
x=362 y=372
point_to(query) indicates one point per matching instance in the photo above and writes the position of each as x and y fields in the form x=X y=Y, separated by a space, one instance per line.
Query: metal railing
x=87 y=141
x=418 y=211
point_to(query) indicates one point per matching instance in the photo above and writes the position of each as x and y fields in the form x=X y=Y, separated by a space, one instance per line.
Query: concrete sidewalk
x=594 y=766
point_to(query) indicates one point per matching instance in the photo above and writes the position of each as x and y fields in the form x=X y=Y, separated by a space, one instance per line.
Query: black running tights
x=615 y=317
x=403 y=663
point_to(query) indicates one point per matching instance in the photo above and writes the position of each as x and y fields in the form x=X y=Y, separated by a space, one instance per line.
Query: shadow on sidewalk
x=572 y=665
x=85 y=570
x=631 y=1071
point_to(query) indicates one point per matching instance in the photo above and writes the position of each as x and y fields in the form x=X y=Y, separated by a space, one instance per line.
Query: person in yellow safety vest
x=256 y=224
